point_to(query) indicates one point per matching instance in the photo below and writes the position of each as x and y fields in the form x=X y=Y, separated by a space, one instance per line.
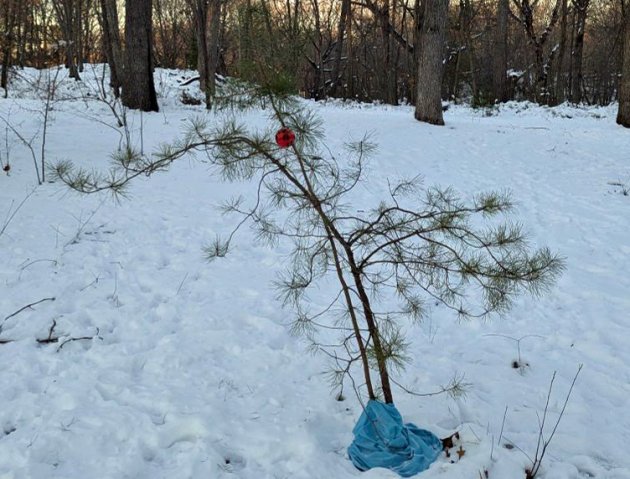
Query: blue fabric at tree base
x=382 y=440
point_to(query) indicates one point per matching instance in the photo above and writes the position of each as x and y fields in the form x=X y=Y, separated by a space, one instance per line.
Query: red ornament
x=285 y=137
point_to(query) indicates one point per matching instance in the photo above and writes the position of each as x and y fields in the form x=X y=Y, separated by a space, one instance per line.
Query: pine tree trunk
x=623 y=114
x=430 y=47
x=111 y=38
x=138 y=91
x=501 y=52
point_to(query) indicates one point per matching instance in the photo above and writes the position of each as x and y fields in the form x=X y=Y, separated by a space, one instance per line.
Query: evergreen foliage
x=418 y=246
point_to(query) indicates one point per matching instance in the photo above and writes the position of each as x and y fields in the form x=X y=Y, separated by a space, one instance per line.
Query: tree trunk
x=465 y=8
x=213 y=44
x=500 y=62
x=111 y=38
x=200 y=12
x=341 y=31
x=430 y=47
x=138 y=91
x=581 y=10
x=388 y=70
x=67 y=13
x=560 y=86
x=7 y=45
x=623 y=114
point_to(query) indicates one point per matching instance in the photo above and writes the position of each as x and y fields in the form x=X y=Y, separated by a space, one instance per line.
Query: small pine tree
x=418 y=244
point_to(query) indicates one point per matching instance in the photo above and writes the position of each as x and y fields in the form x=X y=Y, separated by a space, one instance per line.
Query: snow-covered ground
x=191 y=371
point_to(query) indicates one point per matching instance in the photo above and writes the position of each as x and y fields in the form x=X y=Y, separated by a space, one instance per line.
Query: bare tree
x=537 y=41
x=138 y=91
x=69 y=16
x=430 y=47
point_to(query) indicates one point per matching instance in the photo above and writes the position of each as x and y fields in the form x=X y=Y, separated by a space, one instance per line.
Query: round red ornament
x=285 y=137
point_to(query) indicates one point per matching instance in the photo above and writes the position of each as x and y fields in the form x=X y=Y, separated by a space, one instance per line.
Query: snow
x=191 y=371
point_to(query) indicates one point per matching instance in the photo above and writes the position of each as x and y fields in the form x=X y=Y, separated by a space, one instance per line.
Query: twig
x=27 y=307
x=502 y=425
x=50 y=338
x=456 y=387
x=55 y=339
x=44 y=260
x=11 y=214
x=82 y=338
x=536 y=463
x=83 y=224
x=181 y=284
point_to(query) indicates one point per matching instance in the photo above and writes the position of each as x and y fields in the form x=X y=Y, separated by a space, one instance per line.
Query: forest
x=488 y=51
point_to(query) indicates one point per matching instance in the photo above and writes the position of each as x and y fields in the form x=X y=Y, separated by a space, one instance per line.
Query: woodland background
x=548 y=51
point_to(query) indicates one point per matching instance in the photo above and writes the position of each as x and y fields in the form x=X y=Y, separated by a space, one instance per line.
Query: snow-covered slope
x=191 y=372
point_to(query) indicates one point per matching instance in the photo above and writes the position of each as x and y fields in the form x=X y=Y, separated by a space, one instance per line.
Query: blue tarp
x=382 y=440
